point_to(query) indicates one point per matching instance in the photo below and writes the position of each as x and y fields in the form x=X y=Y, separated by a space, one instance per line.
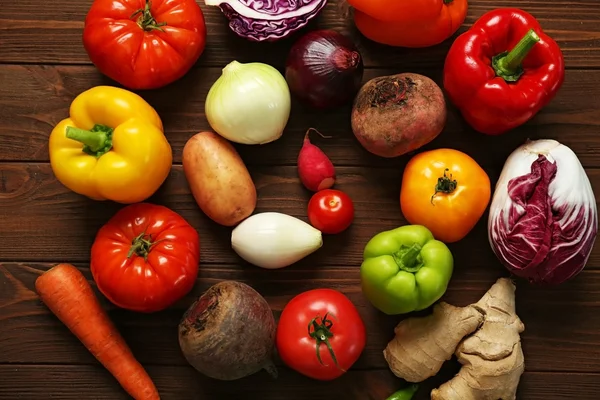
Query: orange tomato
x=411 y=32
x=446 y=191
x=399 y=10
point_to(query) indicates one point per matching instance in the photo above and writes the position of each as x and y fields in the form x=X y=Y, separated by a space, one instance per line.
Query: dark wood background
x=43 y=66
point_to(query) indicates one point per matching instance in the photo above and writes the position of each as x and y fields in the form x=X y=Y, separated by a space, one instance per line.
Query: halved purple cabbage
x=543 y=217
x=267 y=20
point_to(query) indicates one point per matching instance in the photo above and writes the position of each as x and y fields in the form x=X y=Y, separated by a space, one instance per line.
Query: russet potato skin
x=218 y=179
x=396 y=114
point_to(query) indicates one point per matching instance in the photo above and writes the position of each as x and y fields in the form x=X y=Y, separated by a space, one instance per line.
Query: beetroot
x=229 y=332
x=393 y=115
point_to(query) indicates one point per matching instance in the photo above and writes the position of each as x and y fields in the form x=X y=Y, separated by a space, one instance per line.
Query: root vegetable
x=315 y=169
x=484 y=336
x=229 y=332
x=67 y=293
x=393 y=115
x=218 y=179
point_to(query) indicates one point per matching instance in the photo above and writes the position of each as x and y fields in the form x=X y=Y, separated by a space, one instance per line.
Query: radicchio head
x=543 y=216
x=267 y=20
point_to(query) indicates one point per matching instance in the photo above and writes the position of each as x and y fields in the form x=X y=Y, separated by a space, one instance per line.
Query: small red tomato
x=330 y=211
x=335 y=338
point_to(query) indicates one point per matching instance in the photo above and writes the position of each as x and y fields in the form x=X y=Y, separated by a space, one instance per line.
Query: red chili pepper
x=502 y=71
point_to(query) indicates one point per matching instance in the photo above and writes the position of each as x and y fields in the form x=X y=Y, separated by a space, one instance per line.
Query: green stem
x=445 y=184
x=507 y=65
x=97 y=141
x=408 y=258
x=145 y=20
x=404 y=394
x=322 y=333
x=141 y=245
x=448 y=1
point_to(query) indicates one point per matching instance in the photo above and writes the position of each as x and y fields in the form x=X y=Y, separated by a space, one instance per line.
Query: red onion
x=324 y=69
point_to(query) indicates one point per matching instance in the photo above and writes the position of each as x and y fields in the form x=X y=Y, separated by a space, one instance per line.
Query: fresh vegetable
x=503 y=71
x=324 y=69
x=218 y=179
x=391 y=11
x=393 y=115
x=543 y=218
x=446 y=191
x=405 y=269
x=484 y=336
x=406 y=393
x=145 y=258
x=267 y=20
x=66 y=292
x=331 y=211
x=335 y=338
x=315 y=169
x=144 y=44
x=249 y=103
x=274 y=240
x=427 y=22
x=229 y=332
x=111 y=147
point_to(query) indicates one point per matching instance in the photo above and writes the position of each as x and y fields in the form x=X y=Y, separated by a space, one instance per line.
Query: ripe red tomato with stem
x=334 y=340
x=330 y=211
x=145 y=258
x=144 y=44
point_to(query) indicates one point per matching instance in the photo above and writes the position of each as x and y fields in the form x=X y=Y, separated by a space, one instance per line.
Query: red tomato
x=330 y=211
x=145 y=258
x=144 y=44
x=328 y=314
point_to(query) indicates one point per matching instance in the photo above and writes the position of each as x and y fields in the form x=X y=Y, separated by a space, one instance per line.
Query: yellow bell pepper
x=112 y=147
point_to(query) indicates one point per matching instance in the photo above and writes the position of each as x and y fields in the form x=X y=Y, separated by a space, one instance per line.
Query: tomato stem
x=141 y=245
x=145 y=20
x=445 y=184
x=322 y=333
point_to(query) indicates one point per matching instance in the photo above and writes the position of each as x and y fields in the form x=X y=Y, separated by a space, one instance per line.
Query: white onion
x=273 y=240
x=543 y=216
x=249 y=103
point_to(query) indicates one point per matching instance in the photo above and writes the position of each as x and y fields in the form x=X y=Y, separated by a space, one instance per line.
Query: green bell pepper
x=405 y=269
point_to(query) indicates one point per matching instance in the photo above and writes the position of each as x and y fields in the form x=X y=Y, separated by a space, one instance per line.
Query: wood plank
x=27 y=117
x=571 y=309
x=48 y=222
x=77 y=382
x=573 y=24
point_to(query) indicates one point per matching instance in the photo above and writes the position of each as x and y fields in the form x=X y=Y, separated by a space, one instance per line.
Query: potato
x=393 y=115
x=218 y=179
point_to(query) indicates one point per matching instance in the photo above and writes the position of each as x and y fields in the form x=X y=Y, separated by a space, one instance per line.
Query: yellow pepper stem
x=96 y=142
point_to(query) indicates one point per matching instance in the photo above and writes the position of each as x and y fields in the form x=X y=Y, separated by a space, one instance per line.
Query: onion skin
x=229 y=332
x=324 y=69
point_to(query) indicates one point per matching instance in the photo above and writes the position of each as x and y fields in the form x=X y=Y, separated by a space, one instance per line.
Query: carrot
x=67 y=293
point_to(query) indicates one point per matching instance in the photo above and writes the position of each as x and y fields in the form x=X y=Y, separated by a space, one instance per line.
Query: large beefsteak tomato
x=320 y=334
x=145 y=258
x=144 y=44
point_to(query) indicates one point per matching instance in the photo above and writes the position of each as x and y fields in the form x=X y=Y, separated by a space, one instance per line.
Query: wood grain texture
x=573 y=24
x=48 y=222
x=35 y=98
x=178 y=383
x=571 y=309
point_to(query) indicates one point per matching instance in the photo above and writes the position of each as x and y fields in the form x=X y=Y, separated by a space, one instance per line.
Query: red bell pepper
x=503 y=71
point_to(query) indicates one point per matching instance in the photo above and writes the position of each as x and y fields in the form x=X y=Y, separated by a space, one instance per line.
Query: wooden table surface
x=43 y=66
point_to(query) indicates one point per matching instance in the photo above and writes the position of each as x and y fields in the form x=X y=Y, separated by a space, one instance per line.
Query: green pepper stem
x=408 y=258
x=507 y=65
x=97 y=141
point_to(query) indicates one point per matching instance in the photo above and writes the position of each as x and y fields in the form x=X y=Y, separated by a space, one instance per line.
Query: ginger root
x=422 y=345
x=485 y=337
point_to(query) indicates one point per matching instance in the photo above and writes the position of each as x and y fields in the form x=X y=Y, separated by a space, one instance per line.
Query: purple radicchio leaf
x=268 y=20
x=540 y=237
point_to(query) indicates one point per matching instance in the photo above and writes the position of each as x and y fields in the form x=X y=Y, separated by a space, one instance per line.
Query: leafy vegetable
x=258 y=20
x=543 y=217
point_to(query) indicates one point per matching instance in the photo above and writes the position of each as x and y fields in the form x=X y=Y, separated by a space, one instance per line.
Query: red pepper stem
x=508 y=64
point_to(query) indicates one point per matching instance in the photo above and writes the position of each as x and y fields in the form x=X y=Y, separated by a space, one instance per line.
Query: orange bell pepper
x=413 y=29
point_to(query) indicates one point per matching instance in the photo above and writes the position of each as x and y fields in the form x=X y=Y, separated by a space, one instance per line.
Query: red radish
x=315 y=169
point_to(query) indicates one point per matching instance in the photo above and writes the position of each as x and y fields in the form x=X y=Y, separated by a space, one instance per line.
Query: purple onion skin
x=324 y=69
